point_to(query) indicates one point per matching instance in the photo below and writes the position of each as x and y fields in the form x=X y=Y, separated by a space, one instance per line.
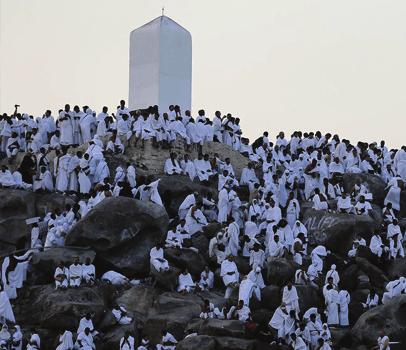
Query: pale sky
x=337 y=66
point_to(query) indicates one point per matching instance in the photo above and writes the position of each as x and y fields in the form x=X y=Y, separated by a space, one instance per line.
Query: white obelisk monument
x=160 y=65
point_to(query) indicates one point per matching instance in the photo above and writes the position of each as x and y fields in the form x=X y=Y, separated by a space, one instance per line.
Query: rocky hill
x=119 y=233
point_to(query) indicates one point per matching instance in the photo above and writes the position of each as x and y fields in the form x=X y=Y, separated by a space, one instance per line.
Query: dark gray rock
x=390 y=317
x=336 y=231
x=223 y=328
x=199 y=342
x=280 y=271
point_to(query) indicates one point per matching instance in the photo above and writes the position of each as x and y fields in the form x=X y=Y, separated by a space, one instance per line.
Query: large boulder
x=229 y=343
x=138 y=300
x=390 y=317
x=124 y=230
x=199 y=342
x=373 y=183
x=271 y=297
x=397 y=268
x=309 y=296
x=336 y=231
x=43 y=306
x=117 y=221
x=376 y=275
x=185 y=258
x=280 y=271
x=227 y=328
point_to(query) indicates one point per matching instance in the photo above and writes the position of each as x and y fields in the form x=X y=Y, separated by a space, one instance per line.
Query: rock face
x=43 y=306
x=280 y=271
x=391 y=317
x=124 y=229
x=336 y=231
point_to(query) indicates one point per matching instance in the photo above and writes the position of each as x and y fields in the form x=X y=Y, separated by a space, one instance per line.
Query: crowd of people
x=266 y=225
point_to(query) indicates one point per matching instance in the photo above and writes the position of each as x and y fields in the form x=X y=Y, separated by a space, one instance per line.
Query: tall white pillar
x=160 y=65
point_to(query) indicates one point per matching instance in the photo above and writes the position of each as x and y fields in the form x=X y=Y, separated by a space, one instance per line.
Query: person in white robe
x=172 y=165
x=290 y=297
x=344 y=300
x=344 y=204
x=75 y=273
x=223 y=205
x=157 y=258
x=89 y=272
x=230 y=275
x=248 y=177
x=383 y=342
x=115 y=278
x=168 y=341
x=131 y=175
x=195 y=220
x=314 y=328
x=278 y=319
x=6 y=178
x=62 y=179
x=121 y=315
x=363 y=207
x=372 y=300
x=187 y=203
x=297 y=342
x=376 y=245
x=317 y=256
x=257 y=257
x=233 y=232
x=393 y=195
x=393 y=289
x=61 y=276
x=188 y=167
x=206 y=279
x=65 y=126
x=333 y=274
x=47 y=182
x=85 y=340
x=292 y=210
x=127 y=342
x=16 y=340
x=65 y=341
x=247 y=289
x=185 y=282
x=6 y=311
x=396 y=246
x=332 y=301
x=275 y=249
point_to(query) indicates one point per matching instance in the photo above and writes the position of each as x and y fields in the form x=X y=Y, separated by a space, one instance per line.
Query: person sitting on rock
x=322 y=345
x=207 y=310
x=75 y=273
x=393 y=289
x=173 y=240
x=372 y=299
x=89 y=272
x=120 y=314
x=319 y=200
x=86 y=322
x=241 y=312
x=85 y=340
x=157 y=258
x=344 y=205
x=172 y=166
x=185 y=282
x=61 y=276
x=206 y=279
x=275 y=248
x=363 y=207
x=376 y=245
x=168 y=341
